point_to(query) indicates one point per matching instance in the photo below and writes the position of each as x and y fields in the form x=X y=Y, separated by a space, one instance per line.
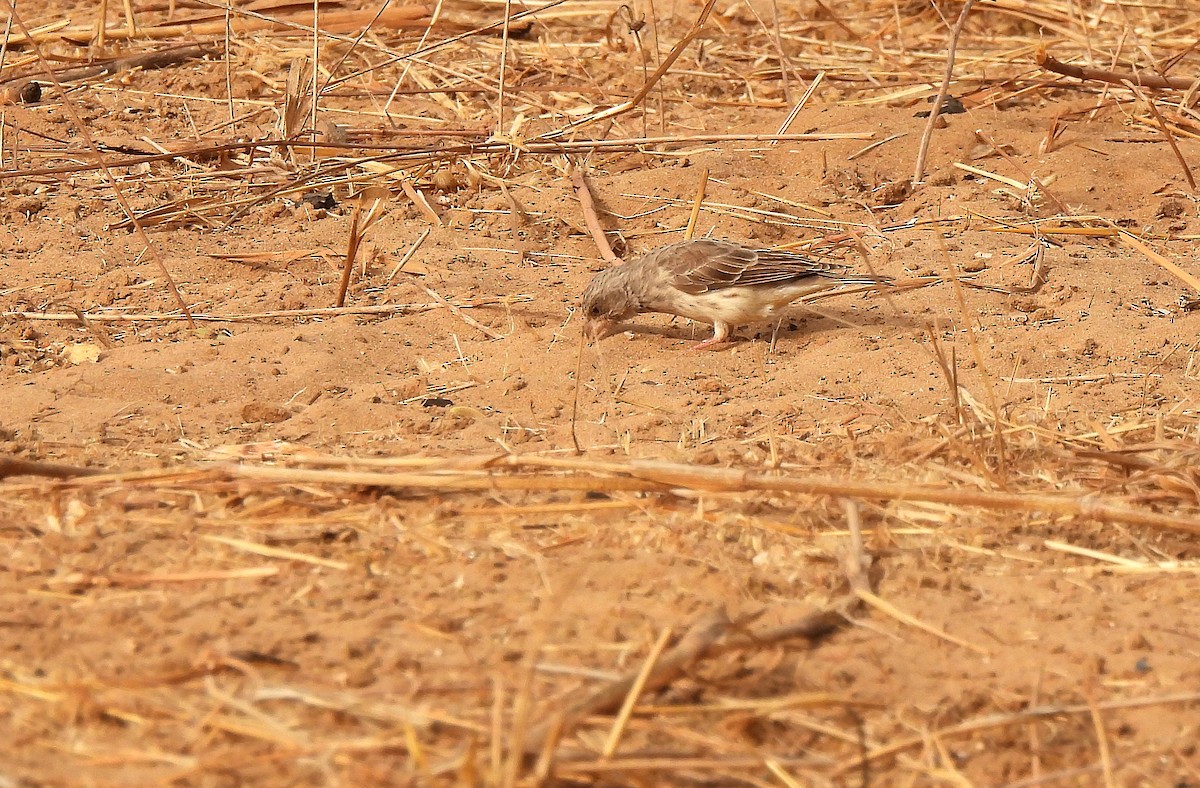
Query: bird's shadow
x=795 y=323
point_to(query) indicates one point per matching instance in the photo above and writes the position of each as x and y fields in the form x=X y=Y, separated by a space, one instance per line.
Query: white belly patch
x=739 y=305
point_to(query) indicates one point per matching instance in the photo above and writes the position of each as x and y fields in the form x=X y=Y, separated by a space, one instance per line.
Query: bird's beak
x=596 y=328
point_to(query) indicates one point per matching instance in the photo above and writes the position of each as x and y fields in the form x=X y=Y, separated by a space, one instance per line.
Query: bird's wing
x=700 y=266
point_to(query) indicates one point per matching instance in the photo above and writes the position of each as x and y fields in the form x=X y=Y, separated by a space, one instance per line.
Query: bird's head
x=608 y=300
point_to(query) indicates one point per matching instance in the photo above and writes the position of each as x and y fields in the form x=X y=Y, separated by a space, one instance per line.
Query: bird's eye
x=594 y=310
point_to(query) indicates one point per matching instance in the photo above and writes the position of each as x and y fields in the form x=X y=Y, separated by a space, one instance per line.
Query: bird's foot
x=716 y=343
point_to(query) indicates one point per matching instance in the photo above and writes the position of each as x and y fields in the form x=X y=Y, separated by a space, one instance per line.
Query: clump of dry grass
x=286 y=520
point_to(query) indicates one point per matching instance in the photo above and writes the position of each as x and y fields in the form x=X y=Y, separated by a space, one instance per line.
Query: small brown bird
x=716 y=282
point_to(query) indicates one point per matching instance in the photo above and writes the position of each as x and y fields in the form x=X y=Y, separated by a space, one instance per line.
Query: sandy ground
x=406 y=645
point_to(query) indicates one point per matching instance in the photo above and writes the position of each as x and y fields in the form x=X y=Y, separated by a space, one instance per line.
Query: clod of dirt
x=446 y=181
x=86 y=353
x=840 y=183
x=950 y=106
x=893 y=193
x=1170 y=208
x=258 y=412
x=977 y=263
x=1025 y=304
x=320 y=200
x=29 y=92
x=29 y=204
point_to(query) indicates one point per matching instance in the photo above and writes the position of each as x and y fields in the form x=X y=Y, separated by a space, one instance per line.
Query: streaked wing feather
x=701 y=266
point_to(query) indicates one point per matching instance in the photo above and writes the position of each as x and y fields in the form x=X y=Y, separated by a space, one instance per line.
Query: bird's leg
x=719 y=339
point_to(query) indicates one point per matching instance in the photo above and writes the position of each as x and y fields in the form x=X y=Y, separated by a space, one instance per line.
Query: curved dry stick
x=662 y=476
x=411 y=154
x=711 y=635
x=935 y=113
x=693 y=646
x=591 y=217
x=1166 y=130
x=1088 y=74
x=15 y=467
x=146 y=61
x=337 y=23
